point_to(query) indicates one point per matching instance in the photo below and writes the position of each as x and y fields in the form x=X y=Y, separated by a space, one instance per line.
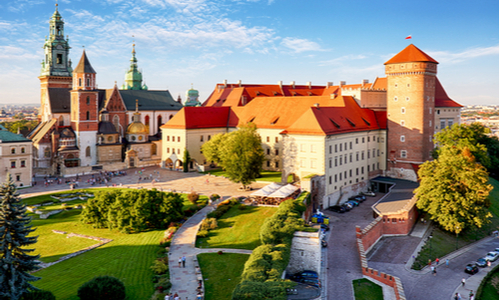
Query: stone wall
x=305 y=253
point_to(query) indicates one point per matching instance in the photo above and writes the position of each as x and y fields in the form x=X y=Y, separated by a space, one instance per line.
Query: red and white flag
x=408 y=37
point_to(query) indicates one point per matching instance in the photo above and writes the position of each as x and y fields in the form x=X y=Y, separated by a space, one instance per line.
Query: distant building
x=192 y=98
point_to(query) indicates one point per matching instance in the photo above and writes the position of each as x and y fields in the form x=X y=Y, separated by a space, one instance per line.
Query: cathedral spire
x=56 y=48
x=133 y=78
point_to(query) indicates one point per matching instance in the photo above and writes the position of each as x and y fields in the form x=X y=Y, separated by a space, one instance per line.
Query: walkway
x=185 y=279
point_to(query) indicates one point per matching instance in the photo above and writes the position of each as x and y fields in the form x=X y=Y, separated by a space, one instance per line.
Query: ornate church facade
x=84 y=128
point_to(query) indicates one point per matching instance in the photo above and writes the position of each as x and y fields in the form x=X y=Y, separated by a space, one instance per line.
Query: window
x=267 y=139
x=356 y=140
x=268 y=163
x=277 y=164
x=340 y=176
x=357 y=156
x=208 y=138
x=396 y=98
x=363 y=155
x=378 y=152
x=153 y=149
x=403 y=154
x=335 y=160
x=407 y=98
x=430 y=110
x=368 y=168
x=340 y=160
x=330 y=149
x=13 y=164
x=79 y=82
x=13 y=150
x=357 y=171
x=168 y=150
x=330 y=180
x=340 y=147
x=350 y=157
x=450 y=122
x=402 y=122
x=368 y=154
x=178 y=139
x=302 y=148
x=46 y=152
x=335 y=177
x=88 y=115
x=363 y=140
x=88 y=82
x=362 y=170
x=23 y=150
x=59 y=59
x=18 y=178
x=88 y=100
x=313 y=148
x=178 y=151
x=201 y=138
x=350 y=145
x=168 y=138
x=23 y=164
x=402 y=138
x=330 y=163
x=442 y=124
x=268 y=152
x=87 y=151
x=313 y=164
x=403 y=110
x=335 y=148
x=438 y=111
x=350 y=173
x=276 y=152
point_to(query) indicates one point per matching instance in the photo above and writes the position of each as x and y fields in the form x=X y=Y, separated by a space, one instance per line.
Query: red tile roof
x=411 y=54
x=380 y=83
x=199 y=117
x=442 y=99
x=328 y=120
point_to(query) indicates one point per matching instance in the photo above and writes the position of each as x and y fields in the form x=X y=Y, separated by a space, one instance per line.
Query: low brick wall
x=366 y=239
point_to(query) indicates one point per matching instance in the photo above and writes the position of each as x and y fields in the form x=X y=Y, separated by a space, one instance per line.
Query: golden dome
x=137 y=128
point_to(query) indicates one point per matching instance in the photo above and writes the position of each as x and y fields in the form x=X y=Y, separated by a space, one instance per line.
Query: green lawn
x=488 y=289
x=364 y=289
x=443 y=242
x=271 y=176
x=128 y=257
x=238 y=229
x=220 y=285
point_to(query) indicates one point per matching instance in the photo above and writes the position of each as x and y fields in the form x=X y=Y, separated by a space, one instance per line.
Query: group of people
x=459 y=297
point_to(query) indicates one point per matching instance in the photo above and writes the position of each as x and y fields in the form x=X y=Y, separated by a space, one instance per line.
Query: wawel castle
x=342 y=135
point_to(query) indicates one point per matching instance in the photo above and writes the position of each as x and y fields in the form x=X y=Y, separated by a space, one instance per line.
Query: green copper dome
x=133 y=78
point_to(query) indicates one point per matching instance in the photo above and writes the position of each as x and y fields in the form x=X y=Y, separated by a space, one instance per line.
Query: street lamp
x=430 y=246
x=457 y=228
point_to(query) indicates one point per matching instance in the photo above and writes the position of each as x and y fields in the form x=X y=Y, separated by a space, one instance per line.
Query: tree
x=102 y=287
x=15 y=262
x=476 y=138
x=454 y=190
x=239 y=153
x=187 y=159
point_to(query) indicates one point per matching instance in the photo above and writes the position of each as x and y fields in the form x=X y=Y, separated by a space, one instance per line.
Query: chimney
x=239 y=83
x=225 y=83
x=341 y=83
x=365 y=81
x=316 y=105
x=329 y=84
x=309 y=84
x=292 y=84
x=280 y=83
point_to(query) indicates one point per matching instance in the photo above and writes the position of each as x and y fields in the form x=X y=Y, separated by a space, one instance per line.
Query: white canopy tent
x=267 y=190
x=284 y=191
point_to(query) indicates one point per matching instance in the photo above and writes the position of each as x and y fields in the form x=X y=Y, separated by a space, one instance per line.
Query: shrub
x=215 y=197
x=159 y=267
x=165 y=242
x=102 y=287
x=208 y=224
x=163 y=285
x=193 y=197
x=158 y=296
x=39 y=295
x=202 y=233
x=242 y=207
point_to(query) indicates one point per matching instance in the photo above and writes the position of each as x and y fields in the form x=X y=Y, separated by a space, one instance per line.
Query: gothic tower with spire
x=133 y=78
x=56 y=69
x=84 y=110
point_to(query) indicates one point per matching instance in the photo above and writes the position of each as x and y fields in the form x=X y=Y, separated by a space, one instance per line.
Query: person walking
x=447 y=263
x=184 y=261
x=437 y=261
x=463 y=281
x=180 y=261
x=457 y=296
x=471 y=295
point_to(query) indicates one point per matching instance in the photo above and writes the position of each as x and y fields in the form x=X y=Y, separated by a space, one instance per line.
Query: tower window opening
x=88 y=82
x=59 y=58
x=79 y=82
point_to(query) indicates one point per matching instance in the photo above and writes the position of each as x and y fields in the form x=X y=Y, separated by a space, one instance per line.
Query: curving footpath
x=185 y=280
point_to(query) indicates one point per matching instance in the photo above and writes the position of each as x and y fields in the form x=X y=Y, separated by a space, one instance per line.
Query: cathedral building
x=343 y=135
x=84 y=128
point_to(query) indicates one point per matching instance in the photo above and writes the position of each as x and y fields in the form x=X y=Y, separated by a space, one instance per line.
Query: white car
x=491 y=256
x=369 y=193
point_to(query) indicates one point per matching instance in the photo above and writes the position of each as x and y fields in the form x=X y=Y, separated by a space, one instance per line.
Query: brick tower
x=56 y=66
x=411 y=81
x=84 y=110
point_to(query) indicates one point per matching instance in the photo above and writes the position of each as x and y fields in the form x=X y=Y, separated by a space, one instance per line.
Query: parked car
x=369 y=193
x=481 y=262
x=337 y=209
x=471 y=269
x=363 y=198
x=491 y=256
x=325 y=227
x=353 y=202
x=356 y=198
x=347 y=206
x=305 y=274
x=310 y=281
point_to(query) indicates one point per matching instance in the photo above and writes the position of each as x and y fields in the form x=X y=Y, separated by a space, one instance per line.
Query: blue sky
x=203 y=42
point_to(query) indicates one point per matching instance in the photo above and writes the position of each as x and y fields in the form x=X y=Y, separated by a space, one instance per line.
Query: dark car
x=471 y=269
x=305 y=274
x=353 y=202
x=310 y=281
x=337 y=209
x=347 y=206
x=481 y=262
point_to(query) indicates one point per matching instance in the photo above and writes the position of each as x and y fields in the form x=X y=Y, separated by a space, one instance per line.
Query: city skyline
x=180 y=43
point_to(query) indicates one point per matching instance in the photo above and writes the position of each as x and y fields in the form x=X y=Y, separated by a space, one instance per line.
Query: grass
x=443 y=242
x=238 y=229
x=364 y=289
x=488 y=290
x=128 y=257
x=271 y=176
x=220 y=285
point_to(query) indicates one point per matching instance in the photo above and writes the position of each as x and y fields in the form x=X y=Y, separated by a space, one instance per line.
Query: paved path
x=185 y=280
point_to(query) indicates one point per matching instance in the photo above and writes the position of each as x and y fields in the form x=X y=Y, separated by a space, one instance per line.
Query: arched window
x=23 y=150
x=79 y=82
x=146 y=120
x=88 y=115
x=171 y=116
x=153 y=149
x=88 y=100
x=61 y=121
x=87 y=151
x=116 y=122
x=13 y=150
x=159 y=123
x=88 y=82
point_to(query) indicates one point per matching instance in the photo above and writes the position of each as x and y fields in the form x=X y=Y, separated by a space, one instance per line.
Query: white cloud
x=300 y=45
x=10 y=53
x=22 y=5
x=340 y=60
x=450 y=57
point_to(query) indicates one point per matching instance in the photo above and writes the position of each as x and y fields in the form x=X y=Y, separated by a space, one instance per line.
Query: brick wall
x=365 y=239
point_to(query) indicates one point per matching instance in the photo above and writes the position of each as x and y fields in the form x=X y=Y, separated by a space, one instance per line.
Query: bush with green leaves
x=163 y=285
x=132 y=210
x=193 y=197
x=269 y=290
x=102 y=287
x=159 y=267
x=202 y=233
x=39 y=295
x=208 y=224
